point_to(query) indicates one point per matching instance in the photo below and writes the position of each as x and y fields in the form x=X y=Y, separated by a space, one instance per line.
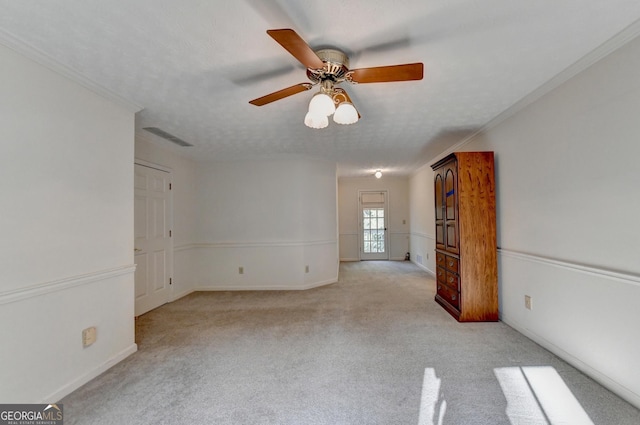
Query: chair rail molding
x=625 y=277
x=65 y=283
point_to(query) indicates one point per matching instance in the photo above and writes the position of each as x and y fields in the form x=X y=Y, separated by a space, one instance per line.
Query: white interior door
x=374 y=243
x=153 y=246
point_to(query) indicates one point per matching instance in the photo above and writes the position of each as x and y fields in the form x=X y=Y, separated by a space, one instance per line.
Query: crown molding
x=605 y=49
x=38 y=56
x=614 y=43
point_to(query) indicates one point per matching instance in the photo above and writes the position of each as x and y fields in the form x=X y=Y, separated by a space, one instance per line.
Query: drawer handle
x=453 y=297
x=439 y=287
x=451 y=263
x=439 y=273
x=450 y=280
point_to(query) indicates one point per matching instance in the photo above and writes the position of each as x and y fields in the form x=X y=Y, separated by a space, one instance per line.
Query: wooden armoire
x=466 y=251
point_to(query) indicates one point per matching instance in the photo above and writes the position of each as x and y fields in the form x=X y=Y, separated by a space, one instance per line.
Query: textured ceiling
x=193 y=65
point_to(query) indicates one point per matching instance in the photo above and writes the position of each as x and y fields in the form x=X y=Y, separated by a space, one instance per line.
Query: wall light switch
x=241 y=270
x=527 y=302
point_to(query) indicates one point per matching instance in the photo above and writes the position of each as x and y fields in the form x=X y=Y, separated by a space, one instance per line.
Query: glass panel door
x=373 y=230
x=373 y=235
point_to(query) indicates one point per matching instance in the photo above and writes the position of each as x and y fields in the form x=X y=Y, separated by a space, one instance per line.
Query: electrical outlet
x=306 y=269
x=240 y=270
x=527 y=302
x=88 y=336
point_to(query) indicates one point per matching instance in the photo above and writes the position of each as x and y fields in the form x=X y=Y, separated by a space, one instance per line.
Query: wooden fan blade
x=385 y=74
x=281 y=94
x=295 y=45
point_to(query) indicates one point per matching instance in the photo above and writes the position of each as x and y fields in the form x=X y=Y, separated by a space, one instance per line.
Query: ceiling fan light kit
x=330 y=67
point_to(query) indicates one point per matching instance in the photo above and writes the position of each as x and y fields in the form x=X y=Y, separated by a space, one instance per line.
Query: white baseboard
x=81 y=380
x=423 y=267
x=349 y=259
x=253 y=288
x=265 y=287
x=182 y=294
x=598 y=376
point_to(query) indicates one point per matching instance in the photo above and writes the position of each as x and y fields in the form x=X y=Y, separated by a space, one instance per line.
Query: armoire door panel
x=451 y=237
x=450 y=194
x=439 y=212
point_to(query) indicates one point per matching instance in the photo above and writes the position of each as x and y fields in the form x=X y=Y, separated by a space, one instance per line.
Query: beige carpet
x=373 y=348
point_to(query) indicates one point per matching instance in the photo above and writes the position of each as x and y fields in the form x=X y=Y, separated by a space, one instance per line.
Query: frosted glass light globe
x=346 y=114
x=322 y=104
x=316 y=121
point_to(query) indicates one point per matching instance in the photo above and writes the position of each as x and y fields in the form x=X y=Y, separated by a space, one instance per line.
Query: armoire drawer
x=452 y=280
x=446 y=261
x=441 y=275
x=451 y=263
x=449 y=295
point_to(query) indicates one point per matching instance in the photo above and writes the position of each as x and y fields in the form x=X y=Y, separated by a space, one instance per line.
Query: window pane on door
x=373 y=228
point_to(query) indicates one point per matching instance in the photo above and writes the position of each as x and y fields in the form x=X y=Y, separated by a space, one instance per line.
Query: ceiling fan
x=328 y=68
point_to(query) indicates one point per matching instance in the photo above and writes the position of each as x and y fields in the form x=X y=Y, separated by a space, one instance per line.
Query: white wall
x=185 y=213
x=568 y=207
x=66 y=173
x=271 y=217
x=398 y=191
x=421 y=207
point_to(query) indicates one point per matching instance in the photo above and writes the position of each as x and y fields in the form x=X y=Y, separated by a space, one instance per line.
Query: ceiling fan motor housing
x=329 y=67
x=336 y=65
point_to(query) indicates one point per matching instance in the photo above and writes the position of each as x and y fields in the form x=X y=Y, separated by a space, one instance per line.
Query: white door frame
x=363 y=255
x=169 y=217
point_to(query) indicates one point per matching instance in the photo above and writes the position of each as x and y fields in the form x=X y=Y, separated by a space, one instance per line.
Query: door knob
x=137 y=250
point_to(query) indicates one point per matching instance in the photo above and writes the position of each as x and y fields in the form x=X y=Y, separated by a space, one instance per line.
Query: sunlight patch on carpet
x=538 y=395
x=432 y=408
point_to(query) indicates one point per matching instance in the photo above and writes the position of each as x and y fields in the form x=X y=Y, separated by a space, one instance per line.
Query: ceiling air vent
x=169 y=137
